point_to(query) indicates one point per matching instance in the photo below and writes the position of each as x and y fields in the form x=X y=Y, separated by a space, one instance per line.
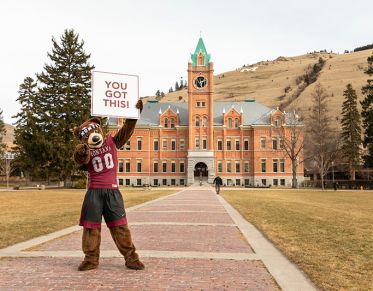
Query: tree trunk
x=322 y=172
x=294 y=173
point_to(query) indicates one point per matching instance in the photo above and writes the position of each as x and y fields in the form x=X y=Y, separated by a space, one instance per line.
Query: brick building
x=182 y=142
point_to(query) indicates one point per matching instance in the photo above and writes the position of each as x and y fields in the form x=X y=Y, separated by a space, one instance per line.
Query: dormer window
x=165 y=123
x=277 y=122
x=172 y=123
x=236 y=123
x=229 y=122
x=200 y=59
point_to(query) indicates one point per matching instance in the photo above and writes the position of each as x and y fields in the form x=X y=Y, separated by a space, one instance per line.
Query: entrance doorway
x=200 y=170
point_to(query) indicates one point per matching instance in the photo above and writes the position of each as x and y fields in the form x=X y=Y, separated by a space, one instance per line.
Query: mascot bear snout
x=95 y=140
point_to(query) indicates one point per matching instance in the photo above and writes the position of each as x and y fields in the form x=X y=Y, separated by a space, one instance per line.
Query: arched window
x=166 y=123
x=200 y=59
x=172 y=123
x=229 y=122
x=204 y=121
x=197 y=121
x=236 y=123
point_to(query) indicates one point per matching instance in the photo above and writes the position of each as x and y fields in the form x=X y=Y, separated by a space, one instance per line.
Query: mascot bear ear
x=95 y=120
x=76 y=131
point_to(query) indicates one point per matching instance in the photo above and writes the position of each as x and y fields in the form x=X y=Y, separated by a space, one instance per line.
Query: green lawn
x=27 y=214
x=328 y=234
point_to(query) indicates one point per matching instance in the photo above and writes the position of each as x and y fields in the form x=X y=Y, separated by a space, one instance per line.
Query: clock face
x=200 y=82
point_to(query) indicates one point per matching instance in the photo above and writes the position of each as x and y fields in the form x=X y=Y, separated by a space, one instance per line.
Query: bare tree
x=291 y=141
x=321 y=140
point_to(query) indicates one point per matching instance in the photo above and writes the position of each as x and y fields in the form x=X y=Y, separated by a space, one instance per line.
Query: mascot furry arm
x=81 y=154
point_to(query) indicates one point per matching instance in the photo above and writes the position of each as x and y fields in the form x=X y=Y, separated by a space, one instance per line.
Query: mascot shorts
x=103 y=202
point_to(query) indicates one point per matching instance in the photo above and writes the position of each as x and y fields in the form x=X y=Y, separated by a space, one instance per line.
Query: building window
x=229 y=182
x=237 y=144
x=138 y=182
x=138 y=166
x=229 y=122
x=156 y=145
x=155 y=182
x=165 y=123
x=281 y=143
x=182 y=167
x=164 y=182
x=128 y=145
x=198 y=104
x=264 y=182
x=229 y=146
x=275 y=165
x=173 y=182
x=128 y=166
x=164 y=167
x=236 y=123
x=173 y=167
x=277 y=121
x=203 y=103
x=120 y=182
x=139 y=144
x=263 y=164
x=238 y=182
x=204 y=143
x=155 y=167
x=220 y=167
x=128 y=182
x=229 y=167
x=197 y=121
x=164 y=144
x=247 y=182
x=275 y=182
x=204 y=121
x=282 y=165
x=274 y=143
x=246 y=144
x=282 y=182
x=182 y=182
x=182 y=144
x=220 y=144
x=197 y=143
x=238 y=167
x=246 y=167
x=172 y=123
x=120 y=167
x=263 y=142
x=173 y=145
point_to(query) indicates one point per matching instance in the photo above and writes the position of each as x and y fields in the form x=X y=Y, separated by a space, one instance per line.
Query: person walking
x=217 y=181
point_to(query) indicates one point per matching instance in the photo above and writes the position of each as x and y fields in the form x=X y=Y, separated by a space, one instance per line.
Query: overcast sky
x=154 y=38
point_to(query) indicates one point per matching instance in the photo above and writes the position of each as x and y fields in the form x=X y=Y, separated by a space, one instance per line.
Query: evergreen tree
x=2 y=134
x=351 y=131
x=170 y=90
x=367 y=115
x=177 y=87
x=158 y=93
x=65 y=100
x=31 y=146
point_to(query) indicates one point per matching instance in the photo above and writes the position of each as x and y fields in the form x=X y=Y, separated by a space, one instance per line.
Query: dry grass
x=329 y=234
x=28 y=214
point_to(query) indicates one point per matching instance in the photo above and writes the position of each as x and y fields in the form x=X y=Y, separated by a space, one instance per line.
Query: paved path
x=191 y=240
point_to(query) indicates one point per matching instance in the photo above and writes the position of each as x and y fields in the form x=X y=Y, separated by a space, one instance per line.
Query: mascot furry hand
x=99 y=156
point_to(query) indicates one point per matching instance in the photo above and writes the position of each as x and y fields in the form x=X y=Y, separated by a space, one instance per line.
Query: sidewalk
x=191 y=240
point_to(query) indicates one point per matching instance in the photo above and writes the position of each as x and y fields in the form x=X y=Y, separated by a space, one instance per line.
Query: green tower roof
x=200 y=48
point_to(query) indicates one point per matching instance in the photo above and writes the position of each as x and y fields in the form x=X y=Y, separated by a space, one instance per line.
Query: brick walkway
x=192 y=240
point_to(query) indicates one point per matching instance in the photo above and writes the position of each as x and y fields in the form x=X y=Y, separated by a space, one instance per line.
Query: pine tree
x=367 y=114
x=65 y=100
x=2 y=134
x=31 y=146
x=351 y=130
x=177 y=87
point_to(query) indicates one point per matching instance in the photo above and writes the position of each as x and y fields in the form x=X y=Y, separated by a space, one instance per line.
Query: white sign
x=115 y=95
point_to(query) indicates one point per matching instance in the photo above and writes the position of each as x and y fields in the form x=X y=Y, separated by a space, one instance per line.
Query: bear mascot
x=98 y=155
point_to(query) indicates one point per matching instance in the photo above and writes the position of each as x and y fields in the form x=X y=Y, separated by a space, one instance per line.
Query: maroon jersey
x=102 y=167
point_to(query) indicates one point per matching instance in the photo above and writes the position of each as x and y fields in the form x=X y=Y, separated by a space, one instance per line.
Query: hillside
x=9 y=136
x=273 y=83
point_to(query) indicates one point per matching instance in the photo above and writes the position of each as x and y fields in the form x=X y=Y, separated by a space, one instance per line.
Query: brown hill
x=274 y=83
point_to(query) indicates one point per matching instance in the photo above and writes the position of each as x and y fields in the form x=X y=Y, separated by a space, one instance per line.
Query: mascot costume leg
x=98 y=155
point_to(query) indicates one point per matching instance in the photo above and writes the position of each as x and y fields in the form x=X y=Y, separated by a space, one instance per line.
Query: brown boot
x=91 y=248
x=122 y=238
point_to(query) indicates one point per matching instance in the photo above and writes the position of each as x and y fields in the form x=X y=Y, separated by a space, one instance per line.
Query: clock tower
x=200 y=106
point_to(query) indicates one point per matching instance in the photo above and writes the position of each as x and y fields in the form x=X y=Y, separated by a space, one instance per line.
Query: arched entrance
x=200 y=170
